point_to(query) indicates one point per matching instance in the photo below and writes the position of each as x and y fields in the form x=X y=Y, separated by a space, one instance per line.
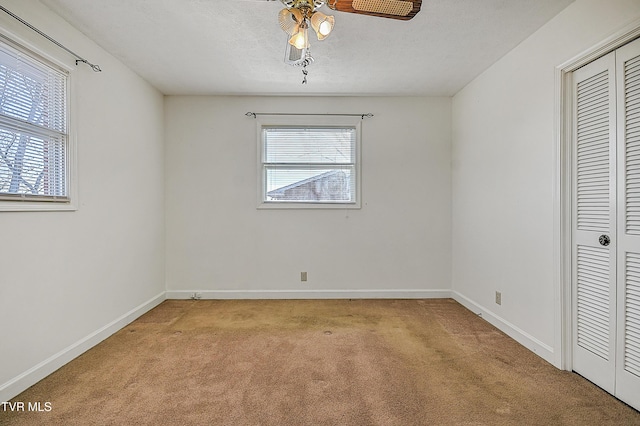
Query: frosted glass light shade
x=300 y=40
x=322 y=24
x=290 y=20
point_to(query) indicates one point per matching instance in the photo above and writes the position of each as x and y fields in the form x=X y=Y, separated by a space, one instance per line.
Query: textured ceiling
x=237 y=47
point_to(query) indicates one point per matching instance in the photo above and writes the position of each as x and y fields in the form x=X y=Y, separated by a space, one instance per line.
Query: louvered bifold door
x=594 y=222
x=627 y=385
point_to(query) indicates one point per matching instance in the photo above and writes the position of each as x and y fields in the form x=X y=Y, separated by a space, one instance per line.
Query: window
x=309 y=166
x=34 y=140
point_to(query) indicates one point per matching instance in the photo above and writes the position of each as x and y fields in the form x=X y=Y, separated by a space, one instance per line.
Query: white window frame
x=307 y=121
x=48 y=54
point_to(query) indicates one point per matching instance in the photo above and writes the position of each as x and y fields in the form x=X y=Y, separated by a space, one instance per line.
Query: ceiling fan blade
x=394 y=9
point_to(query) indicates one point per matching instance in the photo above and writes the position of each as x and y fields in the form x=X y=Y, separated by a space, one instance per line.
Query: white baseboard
x=30 y=377
x=309 y=294
x=536 y=346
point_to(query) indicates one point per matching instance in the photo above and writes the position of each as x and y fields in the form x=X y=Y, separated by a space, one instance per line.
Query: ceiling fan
x=298 y=15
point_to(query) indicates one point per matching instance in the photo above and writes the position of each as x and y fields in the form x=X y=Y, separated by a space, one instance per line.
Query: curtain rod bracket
x=94 y=67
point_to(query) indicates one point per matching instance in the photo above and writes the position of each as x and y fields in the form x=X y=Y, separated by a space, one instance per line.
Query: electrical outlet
x=498 y=298
x=303 y=276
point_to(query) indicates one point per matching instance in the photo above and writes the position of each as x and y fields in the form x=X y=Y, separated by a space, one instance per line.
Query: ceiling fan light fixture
x=300 y=14
x=300 y=40
x=322 y=24
x=290 y=20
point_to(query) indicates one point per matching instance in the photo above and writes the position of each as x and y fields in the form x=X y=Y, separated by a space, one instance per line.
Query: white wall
x=66 y=276
x=219 y=243
x=502 y=178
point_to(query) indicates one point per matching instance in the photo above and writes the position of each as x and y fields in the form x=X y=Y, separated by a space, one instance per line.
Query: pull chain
x=308 y=60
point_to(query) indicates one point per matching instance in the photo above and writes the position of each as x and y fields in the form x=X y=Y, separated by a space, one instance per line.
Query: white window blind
x=33 y=127
x=313 y=165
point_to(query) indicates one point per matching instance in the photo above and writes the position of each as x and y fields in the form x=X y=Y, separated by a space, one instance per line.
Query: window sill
x=307 y=205
x=35 y=206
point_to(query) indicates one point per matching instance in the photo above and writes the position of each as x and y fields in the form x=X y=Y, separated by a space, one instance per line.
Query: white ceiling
x=237 y=47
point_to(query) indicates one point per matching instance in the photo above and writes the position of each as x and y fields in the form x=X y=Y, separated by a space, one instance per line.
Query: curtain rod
x=256 y=114
x=94 y=67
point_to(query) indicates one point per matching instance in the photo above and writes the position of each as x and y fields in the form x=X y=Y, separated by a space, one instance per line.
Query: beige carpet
x=324 y=362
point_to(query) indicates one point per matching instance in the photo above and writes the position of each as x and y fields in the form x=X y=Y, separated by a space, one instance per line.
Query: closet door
x=594 y=222
x=627 y=380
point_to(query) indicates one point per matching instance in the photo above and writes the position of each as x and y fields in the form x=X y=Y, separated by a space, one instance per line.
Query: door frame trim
x=562 y=190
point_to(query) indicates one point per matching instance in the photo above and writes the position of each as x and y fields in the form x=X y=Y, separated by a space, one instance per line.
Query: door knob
x=604 y=240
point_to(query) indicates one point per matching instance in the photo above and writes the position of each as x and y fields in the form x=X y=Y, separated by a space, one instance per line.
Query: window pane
x=309 y=145
x=31 y=91
x=309 y=185
x=33 y=126
x=31 y=165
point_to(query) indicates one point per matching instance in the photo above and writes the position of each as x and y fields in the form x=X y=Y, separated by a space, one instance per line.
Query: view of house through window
x=309 y=164
x=33 y=127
